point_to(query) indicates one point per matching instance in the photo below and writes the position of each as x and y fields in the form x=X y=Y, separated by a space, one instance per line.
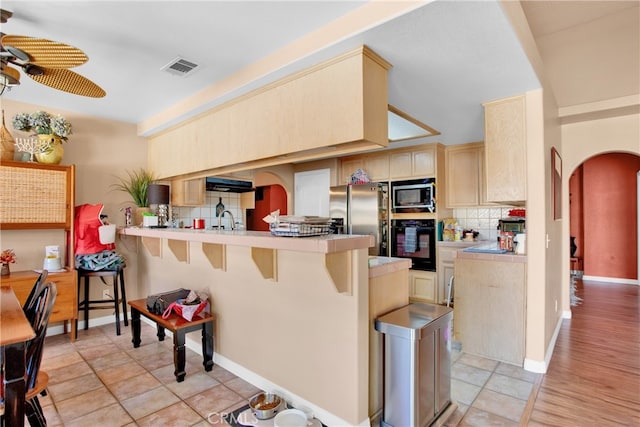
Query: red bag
x=187 y=311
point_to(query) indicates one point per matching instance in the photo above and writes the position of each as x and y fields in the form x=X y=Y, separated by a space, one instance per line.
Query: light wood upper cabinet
x=338 y=106
x=377 y=167
x=465 y=175
x=505 y=149
x=188 y=192
x=415 y=163
x=36 y=196
x=347 y=167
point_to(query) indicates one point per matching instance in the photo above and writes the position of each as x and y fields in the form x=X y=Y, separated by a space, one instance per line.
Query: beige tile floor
x=101 y=380
x=488 y=393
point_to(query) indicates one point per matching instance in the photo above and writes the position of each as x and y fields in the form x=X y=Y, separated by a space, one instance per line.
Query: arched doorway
x=603 y=206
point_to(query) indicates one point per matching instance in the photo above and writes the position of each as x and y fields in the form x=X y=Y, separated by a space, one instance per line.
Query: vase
x=137 y=215
x=5 y=270
x=53 y=155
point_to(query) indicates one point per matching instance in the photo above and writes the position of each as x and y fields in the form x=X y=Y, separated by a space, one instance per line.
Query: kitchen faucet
x=233 y=223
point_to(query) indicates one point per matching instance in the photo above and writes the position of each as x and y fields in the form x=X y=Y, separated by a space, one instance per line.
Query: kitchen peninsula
x=293 y=313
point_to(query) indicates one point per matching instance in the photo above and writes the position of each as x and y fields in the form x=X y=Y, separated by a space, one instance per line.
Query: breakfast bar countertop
x=330 y=243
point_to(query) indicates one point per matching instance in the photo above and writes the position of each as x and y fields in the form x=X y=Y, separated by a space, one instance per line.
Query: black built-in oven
x=415 y=239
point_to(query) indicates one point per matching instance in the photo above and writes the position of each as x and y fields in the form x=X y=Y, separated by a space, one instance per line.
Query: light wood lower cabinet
x=385 y=295
x=423 y=286
x=66 y=304
x=489 y=309
x=446 y=267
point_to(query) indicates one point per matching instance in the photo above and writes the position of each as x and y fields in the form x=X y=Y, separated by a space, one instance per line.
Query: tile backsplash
x=483 y=219
x=231 y=202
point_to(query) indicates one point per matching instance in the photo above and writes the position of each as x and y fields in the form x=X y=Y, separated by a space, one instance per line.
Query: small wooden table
x=178 y=326
x=15 y=331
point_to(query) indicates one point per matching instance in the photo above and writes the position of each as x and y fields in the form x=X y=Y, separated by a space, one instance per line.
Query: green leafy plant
x=42 y=123
x=137 y=185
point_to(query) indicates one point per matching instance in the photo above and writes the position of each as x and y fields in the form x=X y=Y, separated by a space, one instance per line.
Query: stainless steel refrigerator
x=363 y=210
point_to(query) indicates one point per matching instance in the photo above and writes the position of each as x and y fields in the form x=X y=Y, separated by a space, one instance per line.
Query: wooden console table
x=178 y=326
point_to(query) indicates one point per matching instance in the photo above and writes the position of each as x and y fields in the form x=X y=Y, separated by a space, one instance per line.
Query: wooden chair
x=38 y=314
x=37 y=288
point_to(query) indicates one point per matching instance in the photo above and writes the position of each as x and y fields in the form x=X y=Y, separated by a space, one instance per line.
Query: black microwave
x=417 y=195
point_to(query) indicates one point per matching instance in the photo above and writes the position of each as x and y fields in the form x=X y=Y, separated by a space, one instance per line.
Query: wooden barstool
x=88 y=304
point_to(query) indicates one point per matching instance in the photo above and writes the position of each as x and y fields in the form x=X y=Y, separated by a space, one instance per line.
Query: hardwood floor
x=594 y=373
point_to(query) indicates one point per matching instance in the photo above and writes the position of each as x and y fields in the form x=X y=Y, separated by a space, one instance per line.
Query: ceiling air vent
x=180 y=67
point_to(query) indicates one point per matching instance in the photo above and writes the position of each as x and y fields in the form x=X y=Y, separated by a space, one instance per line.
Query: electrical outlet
x=106 y=294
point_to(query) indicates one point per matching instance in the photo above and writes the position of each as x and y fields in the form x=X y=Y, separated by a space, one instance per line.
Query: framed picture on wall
x=556 y=183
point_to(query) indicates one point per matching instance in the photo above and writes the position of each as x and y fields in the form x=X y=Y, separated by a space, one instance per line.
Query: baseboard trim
x=541 y=367
x=58 y=328
x=262 y=383
x=566 y=314
x=611 y=280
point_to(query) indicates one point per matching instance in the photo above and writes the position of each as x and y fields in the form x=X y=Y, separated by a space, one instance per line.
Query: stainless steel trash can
x=417 y=364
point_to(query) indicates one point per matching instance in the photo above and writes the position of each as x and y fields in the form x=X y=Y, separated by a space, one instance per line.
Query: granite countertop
x=461 y=243
x=489 y=252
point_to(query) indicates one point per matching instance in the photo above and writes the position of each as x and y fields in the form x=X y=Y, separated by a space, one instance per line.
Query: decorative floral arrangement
x=7 y=256
x=42 y=123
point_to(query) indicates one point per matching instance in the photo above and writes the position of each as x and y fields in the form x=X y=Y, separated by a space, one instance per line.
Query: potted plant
x=137 y=185
x=6 y=257
x=51 y=130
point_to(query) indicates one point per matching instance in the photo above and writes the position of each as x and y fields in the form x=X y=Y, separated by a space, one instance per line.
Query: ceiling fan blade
x=46 y=53
x=69 y=81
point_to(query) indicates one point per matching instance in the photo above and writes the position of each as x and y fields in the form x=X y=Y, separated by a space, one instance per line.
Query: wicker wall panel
x=33 y=195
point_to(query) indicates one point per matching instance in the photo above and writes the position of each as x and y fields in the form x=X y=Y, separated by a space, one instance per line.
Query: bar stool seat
x=118 y=294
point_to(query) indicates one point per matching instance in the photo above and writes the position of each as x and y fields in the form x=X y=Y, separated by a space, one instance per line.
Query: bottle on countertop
x=219 y=207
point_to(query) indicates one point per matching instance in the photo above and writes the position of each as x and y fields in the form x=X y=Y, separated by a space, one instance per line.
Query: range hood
x=231 y=185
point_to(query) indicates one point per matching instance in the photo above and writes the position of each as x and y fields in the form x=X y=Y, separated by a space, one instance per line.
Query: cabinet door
x=423 y=286
x=377 y=167
x=189 y=192
x=463 y=177
x=348 y=167
x=412 y=164
x=400 y=165
x=490 y=308
x=36 y=196
x=423 y=163
x=505 y=150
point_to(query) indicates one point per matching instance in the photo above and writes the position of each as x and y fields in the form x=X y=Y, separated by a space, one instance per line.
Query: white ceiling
x=448 y=56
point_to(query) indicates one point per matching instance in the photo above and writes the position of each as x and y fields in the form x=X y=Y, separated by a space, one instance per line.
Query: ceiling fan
x=45 y=61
